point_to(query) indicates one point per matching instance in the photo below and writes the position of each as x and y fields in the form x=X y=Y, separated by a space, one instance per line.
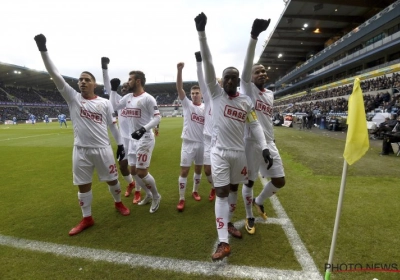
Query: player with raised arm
x=231 y=111
x=252 y=84
x=207 y=123
x=142 y=111
x=128 y=172
x=90 y=115
x=192 y=138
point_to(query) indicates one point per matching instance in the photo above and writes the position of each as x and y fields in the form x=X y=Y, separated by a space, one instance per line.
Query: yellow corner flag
x=357 y=142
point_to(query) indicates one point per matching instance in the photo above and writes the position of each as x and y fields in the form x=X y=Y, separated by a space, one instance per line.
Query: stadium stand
x=310 y=67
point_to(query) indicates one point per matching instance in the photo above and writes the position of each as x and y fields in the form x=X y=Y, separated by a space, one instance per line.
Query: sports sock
x=268 y=191
x=221 y=218
x=247 y=194
x=85 y=201
x=128 y=179
x=182 y=187
x=115 y=191
x=140 y=184
x=150 y=184
x=232 y=201
x=196 y=182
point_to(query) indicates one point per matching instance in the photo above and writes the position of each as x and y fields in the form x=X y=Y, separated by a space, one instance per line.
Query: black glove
x=267 y=158
x=104 y=62
x=115 y=84
x=201 y=21
x=138 y=133
x=259 y=25
x=198 y=56
x=41 y=42
x=120 y=152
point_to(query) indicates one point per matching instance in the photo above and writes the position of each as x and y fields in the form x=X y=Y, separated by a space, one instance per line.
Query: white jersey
x=207 y=101
x=193 y=120
x=229 y=118
x=138 y=110
x=263 y=104
x=123 y=120
x=90 y=118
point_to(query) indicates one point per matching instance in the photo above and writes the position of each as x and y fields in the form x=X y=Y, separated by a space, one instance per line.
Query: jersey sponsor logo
x=96 y=117
x=131 y=112
x=197 y=118
x=263 y=108
x=235 y=113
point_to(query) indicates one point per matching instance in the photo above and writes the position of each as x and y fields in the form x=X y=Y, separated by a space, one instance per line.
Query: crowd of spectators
x=331 y=101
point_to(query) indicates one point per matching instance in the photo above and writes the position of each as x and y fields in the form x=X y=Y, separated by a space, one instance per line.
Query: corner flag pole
x=357 y=144
x=337 y=220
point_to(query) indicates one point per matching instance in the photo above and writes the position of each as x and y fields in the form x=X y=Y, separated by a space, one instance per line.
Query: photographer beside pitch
x=90 y=115
x=231 y=111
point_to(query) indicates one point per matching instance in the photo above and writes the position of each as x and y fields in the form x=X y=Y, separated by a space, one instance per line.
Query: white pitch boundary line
x=221 y=268
x=40 y=135
x=168 y=264
x=300 y=251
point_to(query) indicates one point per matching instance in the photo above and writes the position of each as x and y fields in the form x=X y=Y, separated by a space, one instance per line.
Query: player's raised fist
x=201 y=21
x=104 y=62
x=115 y=84
x=41 y=42
x=259 y=25
x=180 y=65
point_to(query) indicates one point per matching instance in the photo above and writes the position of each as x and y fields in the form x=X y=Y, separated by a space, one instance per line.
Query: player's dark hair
x=229 y=68
x=90 y=74
x=139 y=75
x=194 y=87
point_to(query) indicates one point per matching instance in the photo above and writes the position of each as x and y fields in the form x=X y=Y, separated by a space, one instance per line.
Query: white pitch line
x=8 y=139
x=309 y=270
x=300 y=251
x=167 y=264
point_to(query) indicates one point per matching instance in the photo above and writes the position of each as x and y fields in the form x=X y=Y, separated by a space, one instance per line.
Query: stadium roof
x=296 y=43
x=327 y=21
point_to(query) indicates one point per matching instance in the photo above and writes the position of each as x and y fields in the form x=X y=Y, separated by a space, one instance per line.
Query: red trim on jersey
x=95 y=96
x=138 y=94
x=236 y=95
x=197 y=104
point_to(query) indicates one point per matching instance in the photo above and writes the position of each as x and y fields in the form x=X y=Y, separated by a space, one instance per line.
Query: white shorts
x=144 y=151
x=256 y=163
x=228 y=167
x=131 y=151
x=191 y=151
x=207 y=150
x=85 y=160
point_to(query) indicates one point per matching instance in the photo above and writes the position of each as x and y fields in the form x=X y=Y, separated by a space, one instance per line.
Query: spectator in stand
x=386 y=126
x=390 y=137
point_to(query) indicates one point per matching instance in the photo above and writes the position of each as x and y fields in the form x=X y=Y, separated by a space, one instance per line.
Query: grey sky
x=152 y=35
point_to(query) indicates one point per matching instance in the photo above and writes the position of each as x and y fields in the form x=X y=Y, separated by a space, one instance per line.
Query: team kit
x=226 y=133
